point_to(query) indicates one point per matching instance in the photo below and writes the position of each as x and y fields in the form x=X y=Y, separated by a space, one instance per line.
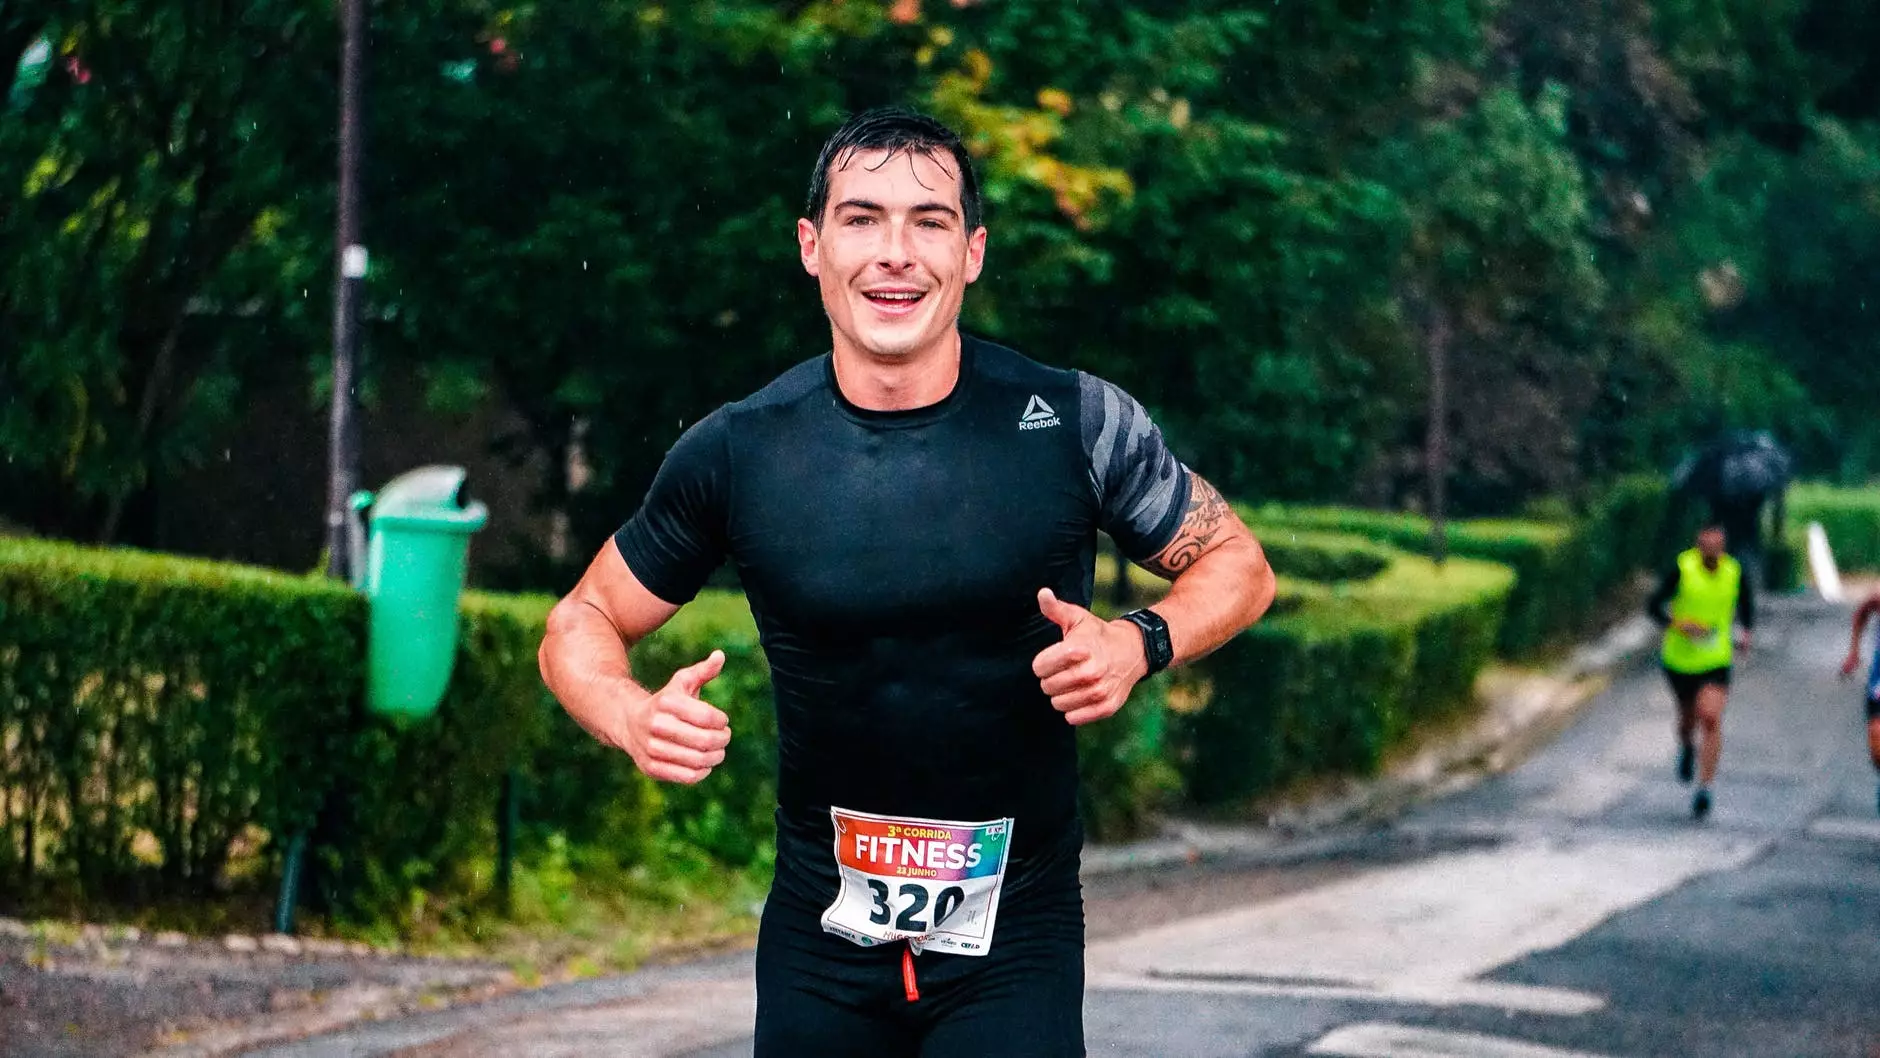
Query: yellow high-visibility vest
x=1707 y=597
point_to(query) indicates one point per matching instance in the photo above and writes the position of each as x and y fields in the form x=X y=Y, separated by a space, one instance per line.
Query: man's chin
x=895 y=345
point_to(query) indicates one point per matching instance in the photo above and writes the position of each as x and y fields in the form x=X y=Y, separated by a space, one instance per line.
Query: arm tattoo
x=1207 y=515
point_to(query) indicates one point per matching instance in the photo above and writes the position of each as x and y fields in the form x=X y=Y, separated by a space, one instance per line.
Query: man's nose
x=896 y=253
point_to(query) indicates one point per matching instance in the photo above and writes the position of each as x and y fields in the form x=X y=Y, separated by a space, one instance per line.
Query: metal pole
x=342 y=423
x=507 y=821
x=350 y=257
x=1437 y=442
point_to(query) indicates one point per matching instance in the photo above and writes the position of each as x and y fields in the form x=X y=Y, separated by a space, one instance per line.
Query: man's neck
x=899 y=383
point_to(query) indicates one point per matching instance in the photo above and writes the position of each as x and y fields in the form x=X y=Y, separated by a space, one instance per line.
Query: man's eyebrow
x=876 y=207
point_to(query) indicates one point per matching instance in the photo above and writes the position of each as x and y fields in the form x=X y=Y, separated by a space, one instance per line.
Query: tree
x=146 y=158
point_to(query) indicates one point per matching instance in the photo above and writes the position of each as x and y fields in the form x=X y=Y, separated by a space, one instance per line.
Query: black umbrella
x=1739 y=465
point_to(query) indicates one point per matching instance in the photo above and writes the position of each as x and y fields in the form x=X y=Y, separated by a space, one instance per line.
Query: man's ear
x=807 y=239
x=975 y=253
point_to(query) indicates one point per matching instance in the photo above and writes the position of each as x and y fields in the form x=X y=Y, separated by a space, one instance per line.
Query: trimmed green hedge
x=1562 y=571
x=145 y=695
x=156 y=712
x=1850 y=516
x=1332 y=680
x=158 y=715
x=1323 y=556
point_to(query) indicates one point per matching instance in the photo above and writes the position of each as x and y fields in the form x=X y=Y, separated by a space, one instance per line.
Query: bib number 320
x=934 y=883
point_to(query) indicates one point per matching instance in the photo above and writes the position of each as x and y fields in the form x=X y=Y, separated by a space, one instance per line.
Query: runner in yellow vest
x=1700 y=601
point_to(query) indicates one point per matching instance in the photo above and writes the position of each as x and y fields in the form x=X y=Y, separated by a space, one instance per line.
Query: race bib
x=930 y=882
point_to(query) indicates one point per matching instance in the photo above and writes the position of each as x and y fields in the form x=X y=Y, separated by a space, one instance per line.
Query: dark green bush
x=1562 y=570
x=1328 y=684
x=154 y=710
x=175 y=701
x=1326 y=557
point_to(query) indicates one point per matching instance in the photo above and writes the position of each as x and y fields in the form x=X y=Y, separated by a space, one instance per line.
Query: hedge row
x=1850 y=516
x=1562 y=569
x=158 y=715
x=1338 y=674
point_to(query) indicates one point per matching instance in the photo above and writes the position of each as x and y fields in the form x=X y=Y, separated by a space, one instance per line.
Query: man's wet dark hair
x=898 y=131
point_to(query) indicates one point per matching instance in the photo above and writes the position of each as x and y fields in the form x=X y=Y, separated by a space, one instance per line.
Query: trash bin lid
x=428 y=497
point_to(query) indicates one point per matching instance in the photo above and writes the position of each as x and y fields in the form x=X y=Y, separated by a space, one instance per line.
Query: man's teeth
x=895 y=297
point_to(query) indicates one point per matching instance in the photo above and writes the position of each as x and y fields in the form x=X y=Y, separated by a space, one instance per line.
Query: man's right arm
x=657 y=561
x=1862 y=614
x=669 y=732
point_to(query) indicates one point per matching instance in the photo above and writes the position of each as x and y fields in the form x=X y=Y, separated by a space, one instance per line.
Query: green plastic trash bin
x=413 y=573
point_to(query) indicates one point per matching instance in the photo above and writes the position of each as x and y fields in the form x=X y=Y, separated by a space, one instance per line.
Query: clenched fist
x=673 y=735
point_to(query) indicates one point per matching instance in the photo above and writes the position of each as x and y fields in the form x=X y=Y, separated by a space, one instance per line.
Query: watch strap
x=1157 y=649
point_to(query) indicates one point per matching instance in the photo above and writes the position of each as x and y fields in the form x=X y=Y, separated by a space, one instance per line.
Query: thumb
x=693 y=678
x=1063 y=614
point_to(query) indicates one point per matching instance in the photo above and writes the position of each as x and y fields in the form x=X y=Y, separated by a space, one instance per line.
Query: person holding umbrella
x=1736 y=475
x=1699 y=602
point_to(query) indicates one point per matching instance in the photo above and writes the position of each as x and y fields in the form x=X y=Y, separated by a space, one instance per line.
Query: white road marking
x=1494 y=995
x=1402 y=1041
x=1845 y=829
x=1425 y=929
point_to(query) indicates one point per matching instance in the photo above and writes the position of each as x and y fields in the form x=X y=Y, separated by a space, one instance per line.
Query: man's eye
x=856 y=222
x=933 y=224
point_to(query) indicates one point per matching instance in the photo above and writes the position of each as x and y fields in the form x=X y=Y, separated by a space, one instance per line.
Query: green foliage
x=1316 y=555
x=184 y=701
x=1124 y=771
x=138 y=165
x=155 y=711
x=1562 y=570
x=1850 y=517
x=1327 y=686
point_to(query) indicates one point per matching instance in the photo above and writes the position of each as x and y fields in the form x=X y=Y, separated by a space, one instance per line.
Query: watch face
x=1155 y=639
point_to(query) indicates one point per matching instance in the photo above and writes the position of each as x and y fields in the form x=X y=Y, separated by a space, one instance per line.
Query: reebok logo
x=1038 y=415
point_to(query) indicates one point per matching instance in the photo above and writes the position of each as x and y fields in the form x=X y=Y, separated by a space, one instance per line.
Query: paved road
x=1571 y=909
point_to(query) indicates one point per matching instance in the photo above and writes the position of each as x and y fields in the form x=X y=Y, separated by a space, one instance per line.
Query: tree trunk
x=1436 y=455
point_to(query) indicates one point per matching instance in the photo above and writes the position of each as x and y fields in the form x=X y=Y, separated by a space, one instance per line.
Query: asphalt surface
x=1569 y=909
x=1753 y=933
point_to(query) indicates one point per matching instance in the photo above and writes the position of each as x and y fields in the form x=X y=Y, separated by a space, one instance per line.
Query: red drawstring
x=907 y=974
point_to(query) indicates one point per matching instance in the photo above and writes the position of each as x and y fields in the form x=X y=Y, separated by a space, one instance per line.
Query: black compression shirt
x=892 y=561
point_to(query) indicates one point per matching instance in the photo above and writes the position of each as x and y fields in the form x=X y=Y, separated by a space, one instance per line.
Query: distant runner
x=914 y=518
x=1699 y=602
x=1865 y=611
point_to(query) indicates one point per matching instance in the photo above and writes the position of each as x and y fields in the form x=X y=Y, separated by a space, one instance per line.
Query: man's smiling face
x=891 y=251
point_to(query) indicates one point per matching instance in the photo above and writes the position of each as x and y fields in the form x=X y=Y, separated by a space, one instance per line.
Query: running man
x=913 y=516
x=1865 y=611
x=1700 y=602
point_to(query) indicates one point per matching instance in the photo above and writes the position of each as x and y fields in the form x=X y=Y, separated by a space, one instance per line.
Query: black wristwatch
x=1156 y=647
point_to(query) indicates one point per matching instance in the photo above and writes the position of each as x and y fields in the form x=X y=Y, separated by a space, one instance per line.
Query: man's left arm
x=1152 y=506
x=1221 y=580
x=1221 y=585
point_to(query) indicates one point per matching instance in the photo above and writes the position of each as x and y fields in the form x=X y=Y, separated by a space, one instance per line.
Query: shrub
x=1331 y=680
x=1562 y=570
x=1325 y=557
x=181 y=701
x=1850 y=516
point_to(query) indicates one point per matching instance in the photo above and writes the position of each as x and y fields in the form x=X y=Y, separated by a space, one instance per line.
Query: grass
x=576 y=913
